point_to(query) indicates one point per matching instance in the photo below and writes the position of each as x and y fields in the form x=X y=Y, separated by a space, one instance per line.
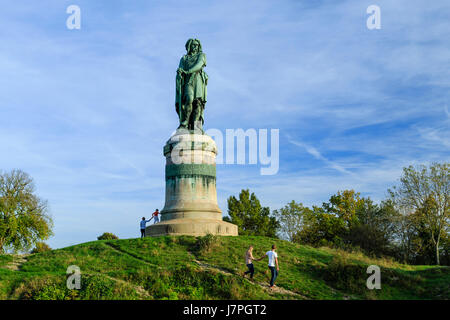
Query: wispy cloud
x=316 y=154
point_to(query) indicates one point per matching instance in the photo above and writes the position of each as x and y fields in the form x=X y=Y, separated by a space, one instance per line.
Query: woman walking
x=249 y=262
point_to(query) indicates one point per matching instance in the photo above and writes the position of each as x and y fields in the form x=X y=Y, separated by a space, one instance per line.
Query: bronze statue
x=191 y=84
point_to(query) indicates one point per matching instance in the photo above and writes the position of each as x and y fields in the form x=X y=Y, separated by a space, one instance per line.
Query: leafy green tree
x=332 y=224
x=290 y=218
x=41 y=247
x=445 y=254
x=424 y=194
x=374 y=229
x=23 y=215
x=350 y=220
x=250 y=217
x=320 y=228
x=345 y=205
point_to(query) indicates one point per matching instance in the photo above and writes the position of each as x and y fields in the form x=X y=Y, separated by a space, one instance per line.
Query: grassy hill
x=211 y=268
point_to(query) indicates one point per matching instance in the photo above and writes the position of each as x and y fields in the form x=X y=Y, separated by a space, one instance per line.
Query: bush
x=108 y=236
x=345 y=275
x=93 y=287
x=206 y=243
x=41 y=247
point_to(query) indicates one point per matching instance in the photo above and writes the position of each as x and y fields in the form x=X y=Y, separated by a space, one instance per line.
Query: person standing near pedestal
x=156 y=216
x=143 y=223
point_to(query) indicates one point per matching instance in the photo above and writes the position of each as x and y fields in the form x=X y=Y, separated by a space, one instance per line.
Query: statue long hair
x=190 y=42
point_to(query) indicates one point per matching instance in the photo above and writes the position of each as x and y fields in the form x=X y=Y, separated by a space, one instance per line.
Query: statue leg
x=183 y=116
x=186 y=109
x=197 y=115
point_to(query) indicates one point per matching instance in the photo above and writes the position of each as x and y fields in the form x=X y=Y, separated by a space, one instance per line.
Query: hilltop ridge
x=210 y=267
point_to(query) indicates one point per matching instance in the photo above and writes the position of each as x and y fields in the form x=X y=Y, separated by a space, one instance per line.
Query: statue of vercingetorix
x=191 y=206
x=191 y=84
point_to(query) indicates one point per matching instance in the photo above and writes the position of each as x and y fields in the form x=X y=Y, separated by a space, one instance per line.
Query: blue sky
x=86 y=112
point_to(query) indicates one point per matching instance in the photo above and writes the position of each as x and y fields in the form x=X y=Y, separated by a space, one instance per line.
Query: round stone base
x=191 y=227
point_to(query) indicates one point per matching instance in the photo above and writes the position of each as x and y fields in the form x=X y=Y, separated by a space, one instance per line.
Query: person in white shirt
x=143 y=222
x=273 y=263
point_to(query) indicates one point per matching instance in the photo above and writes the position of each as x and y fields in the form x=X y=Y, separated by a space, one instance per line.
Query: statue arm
x=178 y=85
x=180 y=69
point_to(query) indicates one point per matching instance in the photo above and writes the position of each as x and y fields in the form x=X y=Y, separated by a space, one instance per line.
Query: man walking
x=156 y=216
x=273 y=263
x=143 y=222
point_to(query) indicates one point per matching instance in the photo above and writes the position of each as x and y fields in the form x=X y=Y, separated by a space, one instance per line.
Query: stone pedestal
x=191 y=197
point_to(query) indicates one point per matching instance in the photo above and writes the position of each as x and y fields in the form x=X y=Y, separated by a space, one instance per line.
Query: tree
x=23 y=215
x=406 y=234
x=374 y=228
x=348 y=219
x=424 y=192
x=320 y=228
x=250 y=217
x=41 y=247
x=445 y=253
x=290 y=218
x=331 y=223
x=345 y=205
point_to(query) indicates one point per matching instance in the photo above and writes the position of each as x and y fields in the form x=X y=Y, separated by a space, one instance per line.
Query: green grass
x=5 y=259
x=165 y=268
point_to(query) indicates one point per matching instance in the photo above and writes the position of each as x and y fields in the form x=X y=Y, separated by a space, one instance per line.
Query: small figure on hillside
x=273 y=262
x=143 y=222
x=156 y=216
x=249 y=262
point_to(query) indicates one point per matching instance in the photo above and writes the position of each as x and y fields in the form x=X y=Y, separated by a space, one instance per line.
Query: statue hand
x=180 y=71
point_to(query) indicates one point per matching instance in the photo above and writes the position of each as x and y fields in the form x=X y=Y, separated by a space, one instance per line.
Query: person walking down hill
x=249 y=262
x=143 y=222
x=156 y=216
x=273 y=264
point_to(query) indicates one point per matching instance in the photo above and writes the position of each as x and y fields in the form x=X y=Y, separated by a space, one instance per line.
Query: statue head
x=193 y=46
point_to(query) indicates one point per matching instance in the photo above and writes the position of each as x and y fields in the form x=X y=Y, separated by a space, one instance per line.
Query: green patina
x=195 y=145
x=195 y=180
x=190 y=169
x=191 y=82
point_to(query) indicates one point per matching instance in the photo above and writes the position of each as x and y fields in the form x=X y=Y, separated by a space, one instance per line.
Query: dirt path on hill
x=133 y=256
x=18 y=260
x=264 y=286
